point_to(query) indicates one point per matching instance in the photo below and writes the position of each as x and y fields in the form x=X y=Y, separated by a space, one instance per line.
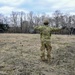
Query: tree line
x=21 y=22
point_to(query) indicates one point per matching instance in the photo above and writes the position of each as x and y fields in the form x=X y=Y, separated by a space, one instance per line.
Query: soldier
x=45 y=36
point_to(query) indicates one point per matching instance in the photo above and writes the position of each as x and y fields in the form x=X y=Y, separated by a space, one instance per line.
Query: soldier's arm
x=37 y=28
x=55 y=29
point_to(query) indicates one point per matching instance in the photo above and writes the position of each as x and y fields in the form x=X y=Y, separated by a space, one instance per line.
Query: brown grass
x=20 y=55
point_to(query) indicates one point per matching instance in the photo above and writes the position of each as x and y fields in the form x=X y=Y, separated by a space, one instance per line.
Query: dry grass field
x=20 y=55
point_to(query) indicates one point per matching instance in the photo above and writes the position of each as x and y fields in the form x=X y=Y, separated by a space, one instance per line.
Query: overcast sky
x=37 y=6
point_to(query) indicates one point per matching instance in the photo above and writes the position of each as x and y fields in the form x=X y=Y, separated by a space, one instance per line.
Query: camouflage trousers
x=45 y=46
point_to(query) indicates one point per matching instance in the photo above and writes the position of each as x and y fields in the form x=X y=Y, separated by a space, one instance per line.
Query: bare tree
x=36 y=19
x=1 y=18
x=14 y=20
x=21 y=20
x=57 y=17
x=31 y=22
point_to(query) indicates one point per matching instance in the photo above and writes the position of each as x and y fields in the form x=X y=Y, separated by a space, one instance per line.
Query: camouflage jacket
x=45 y=32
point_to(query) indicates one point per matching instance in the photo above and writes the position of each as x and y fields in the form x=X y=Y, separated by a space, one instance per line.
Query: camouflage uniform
x=45 y=36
